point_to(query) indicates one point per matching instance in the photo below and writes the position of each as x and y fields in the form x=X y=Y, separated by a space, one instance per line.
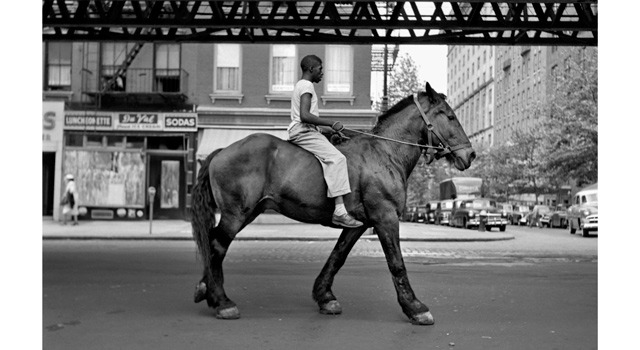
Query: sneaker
x=345 y=220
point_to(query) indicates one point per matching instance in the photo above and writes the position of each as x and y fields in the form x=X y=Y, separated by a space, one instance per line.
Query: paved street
x=535 y=291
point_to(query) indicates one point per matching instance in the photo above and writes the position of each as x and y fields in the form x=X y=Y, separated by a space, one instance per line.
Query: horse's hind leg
x=211 y=287
x=322 y=293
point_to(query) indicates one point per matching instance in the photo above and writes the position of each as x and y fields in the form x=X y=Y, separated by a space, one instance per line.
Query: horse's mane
x=402 y=104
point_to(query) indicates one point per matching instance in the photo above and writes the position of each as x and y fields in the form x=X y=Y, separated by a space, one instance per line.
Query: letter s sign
x=49 y=121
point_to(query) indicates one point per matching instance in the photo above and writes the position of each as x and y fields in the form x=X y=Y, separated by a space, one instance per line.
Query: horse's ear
x=430 y=93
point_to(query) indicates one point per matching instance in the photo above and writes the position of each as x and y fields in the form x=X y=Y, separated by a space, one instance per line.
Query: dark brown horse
x=263 y=172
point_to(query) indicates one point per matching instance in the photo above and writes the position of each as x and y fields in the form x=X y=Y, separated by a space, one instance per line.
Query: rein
x=429 y=151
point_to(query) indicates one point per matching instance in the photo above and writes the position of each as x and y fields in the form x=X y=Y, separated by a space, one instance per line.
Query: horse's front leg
x=322 y=293
x=388 y=230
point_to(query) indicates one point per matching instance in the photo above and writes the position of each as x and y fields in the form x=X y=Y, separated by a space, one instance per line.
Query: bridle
x=443 y=147
x=429 y=151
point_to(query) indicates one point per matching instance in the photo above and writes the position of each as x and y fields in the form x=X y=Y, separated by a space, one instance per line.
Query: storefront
x=117 y=156
x=52 y=115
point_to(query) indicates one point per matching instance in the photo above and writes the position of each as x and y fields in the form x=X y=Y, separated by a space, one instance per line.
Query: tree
x=572 y=123
x=404 y=79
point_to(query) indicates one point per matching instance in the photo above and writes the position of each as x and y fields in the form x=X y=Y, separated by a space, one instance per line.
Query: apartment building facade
x=508 y=93
x=471 y=90
x=139 y=115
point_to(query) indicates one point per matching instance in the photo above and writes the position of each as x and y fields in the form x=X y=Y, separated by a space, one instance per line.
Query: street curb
x=300 y=239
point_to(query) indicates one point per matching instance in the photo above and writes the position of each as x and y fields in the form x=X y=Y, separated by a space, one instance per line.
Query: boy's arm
x=307 y=117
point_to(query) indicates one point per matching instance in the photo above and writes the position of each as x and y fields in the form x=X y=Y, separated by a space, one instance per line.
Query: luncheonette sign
x=87 y=120
x=99 y=121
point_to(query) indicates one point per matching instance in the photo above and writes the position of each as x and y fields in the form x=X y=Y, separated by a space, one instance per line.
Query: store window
x=58 y=66
x=338 y=69
x=167 y=72
x=227 y=68
x=105 y=177
x=283 y=68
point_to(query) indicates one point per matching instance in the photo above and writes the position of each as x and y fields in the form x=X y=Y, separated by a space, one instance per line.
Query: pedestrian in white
x=303 y=131
x=70 y=201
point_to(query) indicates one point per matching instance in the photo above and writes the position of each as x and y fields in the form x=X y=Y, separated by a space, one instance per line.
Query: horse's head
x=442 y=128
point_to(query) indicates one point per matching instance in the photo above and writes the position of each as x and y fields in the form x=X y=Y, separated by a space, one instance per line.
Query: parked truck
x=461 y=188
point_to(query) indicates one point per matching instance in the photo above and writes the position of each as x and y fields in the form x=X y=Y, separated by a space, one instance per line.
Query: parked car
x=470 y=210
x=555 y=218
x=518 y=214
x=524 y=219
x=443 y=212
x=583 y=212
x=431 y=207
x=507 y=209
x=456 y=205
x=409 y=212
x=537 y=213
x=416 y=214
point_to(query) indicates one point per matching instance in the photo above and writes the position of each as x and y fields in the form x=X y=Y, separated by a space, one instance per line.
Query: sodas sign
x=180 y=122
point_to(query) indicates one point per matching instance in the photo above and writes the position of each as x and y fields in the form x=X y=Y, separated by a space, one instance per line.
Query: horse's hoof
x=201 y=292
x=423 y=319
x=230 y=313
x=331 y=308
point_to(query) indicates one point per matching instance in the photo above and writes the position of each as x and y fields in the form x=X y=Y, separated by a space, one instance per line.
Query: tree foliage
x=572 y=123
x=404 y=79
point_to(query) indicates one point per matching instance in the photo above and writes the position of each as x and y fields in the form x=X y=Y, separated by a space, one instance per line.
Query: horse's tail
x=203 y=207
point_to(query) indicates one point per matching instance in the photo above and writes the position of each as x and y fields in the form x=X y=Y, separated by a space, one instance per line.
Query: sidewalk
x=265 y=229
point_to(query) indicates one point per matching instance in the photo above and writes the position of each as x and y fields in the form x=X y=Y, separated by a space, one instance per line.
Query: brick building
x=140 y=115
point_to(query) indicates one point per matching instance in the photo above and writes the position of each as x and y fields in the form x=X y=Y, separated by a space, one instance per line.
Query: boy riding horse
x=303 y=131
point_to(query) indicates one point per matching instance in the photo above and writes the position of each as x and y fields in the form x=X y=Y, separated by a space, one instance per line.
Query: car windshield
x=447 y=205
x=523 y=209
x=507 y=207
x=593 y=197
x=477 y=204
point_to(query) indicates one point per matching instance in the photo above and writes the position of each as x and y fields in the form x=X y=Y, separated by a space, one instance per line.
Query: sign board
x=138 y=121
x=133 y=121
x=52 y=114
x=88 y=121
x=180 y=122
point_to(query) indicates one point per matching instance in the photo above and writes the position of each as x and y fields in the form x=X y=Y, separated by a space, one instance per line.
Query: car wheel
x=503 y=228
x=585 y=232
x=464 y=223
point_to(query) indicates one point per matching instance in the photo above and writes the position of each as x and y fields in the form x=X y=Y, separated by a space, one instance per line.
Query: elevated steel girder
x=355 y=22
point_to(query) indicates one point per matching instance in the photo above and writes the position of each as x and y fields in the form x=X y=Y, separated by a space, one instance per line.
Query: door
x=48 y=181
x=166 y=174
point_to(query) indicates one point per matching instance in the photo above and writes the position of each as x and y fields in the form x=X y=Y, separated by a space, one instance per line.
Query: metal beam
x=356 y=22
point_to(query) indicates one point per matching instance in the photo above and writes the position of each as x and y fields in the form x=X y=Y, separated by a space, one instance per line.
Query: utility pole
x=385 y=96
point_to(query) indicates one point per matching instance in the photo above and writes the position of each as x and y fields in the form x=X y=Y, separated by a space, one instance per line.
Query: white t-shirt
x=302 y=87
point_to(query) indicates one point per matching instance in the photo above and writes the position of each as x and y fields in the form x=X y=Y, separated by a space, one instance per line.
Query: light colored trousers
x=334 y=163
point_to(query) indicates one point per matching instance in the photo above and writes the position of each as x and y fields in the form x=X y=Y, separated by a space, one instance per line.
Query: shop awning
x=213 y=139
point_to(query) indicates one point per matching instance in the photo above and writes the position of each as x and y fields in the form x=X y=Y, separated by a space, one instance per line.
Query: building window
x=113 y=56
x=227 y=68
x=338 y=69
x=58 y=66
x=283 y=68
x=167 y=71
